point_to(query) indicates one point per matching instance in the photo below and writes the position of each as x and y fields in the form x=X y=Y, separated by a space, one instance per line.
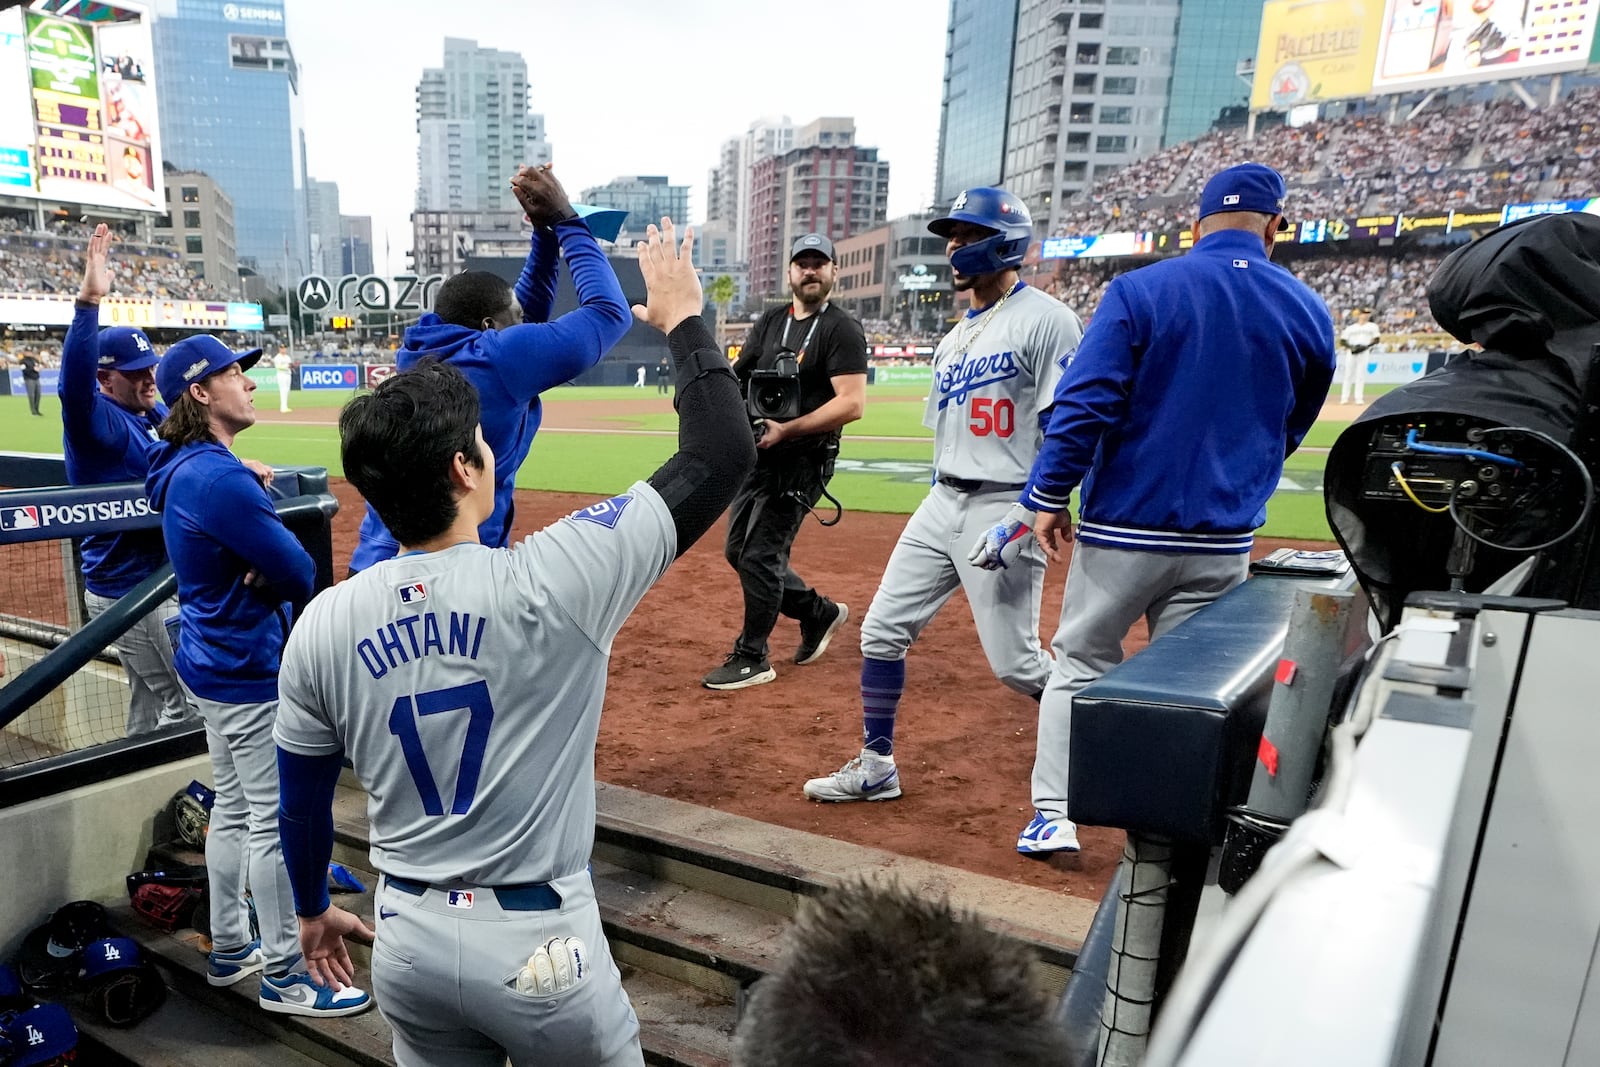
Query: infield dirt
x=964 y=743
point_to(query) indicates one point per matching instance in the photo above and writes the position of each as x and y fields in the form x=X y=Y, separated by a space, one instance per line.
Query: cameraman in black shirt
x=804 y=367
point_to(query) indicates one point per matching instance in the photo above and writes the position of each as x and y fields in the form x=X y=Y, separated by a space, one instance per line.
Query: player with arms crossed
x=994 y=377
x=464 y=684
x=499 y=337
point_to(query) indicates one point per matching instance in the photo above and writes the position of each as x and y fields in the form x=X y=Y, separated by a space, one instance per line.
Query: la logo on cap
x=961 y=202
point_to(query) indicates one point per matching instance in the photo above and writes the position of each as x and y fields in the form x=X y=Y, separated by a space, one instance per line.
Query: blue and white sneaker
x=226 y=968
x=1047 y=835
x=870 y=776
x=297 y=994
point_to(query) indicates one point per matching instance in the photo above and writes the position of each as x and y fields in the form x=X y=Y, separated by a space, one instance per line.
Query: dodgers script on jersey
x=985 y=401
x=467 y=686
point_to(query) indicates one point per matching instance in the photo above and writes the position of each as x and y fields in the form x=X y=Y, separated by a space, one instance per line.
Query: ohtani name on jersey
x=417 y=636
x=958 y=379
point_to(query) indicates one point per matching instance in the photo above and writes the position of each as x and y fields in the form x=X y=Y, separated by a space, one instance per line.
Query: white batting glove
x=555 y=966
x=1000 y=545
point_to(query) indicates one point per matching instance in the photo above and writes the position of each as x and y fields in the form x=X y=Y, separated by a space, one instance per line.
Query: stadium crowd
x=50 y=261
x=1473 y=155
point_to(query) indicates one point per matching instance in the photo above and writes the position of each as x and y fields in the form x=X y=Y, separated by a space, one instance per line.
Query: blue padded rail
x=1164 y=743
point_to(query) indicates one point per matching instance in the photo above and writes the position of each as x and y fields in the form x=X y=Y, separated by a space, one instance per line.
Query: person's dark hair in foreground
x=874 y=975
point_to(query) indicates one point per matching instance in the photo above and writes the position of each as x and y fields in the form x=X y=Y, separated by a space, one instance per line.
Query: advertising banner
x=1098 y=246
x=48 y=377
x=373 y=373
x=1550 y=207
x=45 y=309
x=902 y=375
x=1314 y=50
x=330 y=376
x=1431 y=43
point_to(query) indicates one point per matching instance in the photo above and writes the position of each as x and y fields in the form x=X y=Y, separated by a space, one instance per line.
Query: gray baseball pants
x=155 y=697
x=445 y=980
x=1108 y=589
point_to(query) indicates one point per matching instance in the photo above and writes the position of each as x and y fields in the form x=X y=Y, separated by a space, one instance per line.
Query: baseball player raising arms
x=464 y=684
x=993 y=379
x=499 y=337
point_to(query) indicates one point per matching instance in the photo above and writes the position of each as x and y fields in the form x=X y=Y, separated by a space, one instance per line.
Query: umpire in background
x=1196 y=378
x=794 y=461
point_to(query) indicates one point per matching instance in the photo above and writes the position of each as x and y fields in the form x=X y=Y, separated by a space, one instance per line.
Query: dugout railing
x=63 y=692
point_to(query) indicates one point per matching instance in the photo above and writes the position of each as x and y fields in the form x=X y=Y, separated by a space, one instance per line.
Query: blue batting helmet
x=994 y=209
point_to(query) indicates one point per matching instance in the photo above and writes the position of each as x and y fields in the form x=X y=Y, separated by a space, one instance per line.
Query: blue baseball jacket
x=219 y=523
x=105 y=443
x=511 y=367
x=1194 y=381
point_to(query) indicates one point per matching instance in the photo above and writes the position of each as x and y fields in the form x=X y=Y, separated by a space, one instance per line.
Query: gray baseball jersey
x=465 y=687
x=992 y=376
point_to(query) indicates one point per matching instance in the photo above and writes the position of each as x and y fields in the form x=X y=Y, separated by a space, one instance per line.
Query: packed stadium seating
x=51 y=261
x=1471 y=155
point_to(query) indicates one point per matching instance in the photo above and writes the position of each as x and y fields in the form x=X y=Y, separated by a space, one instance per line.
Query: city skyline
x=881 y=62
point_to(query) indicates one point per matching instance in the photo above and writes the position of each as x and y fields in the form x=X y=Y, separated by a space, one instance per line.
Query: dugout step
x=740 y=880
x=680 y=1024
x=182 y=1033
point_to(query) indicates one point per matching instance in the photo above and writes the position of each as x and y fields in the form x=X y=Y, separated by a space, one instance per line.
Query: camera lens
x=769 y=398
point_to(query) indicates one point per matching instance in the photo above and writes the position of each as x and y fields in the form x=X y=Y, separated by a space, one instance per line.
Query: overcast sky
x=636 y=87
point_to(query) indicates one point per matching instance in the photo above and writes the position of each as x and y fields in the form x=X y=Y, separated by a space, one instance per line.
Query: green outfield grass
x=883 y=476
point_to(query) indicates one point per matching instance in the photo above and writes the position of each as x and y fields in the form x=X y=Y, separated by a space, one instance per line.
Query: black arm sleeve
x=716 y=449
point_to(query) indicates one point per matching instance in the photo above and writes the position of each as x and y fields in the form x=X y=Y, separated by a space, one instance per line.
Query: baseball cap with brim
x=126 y=348
x=812 y=242
x=1246 y=187
x=108 y=956
x=194 y=358
x=39 y=1035
x=51 y=954
x=604 y=223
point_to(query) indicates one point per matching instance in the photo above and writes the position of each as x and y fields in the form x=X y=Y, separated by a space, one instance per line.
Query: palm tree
x=721 y=292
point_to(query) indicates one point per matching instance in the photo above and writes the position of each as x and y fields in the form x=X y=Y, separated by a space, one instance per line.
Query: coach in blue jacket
x=1196 y=378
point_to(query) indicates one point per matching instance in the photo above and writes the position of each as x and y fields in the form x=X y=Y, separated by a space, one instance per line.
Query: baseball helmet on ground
x=994 y=209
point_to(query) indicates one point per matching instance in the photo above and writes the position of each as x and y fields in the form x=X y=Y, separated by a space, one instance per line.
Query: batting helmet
x=994 y=209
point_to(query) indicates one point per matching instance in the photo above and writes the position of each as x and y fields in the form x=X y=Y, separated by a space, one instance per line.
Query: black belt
x=968 y=485
x=529 y=896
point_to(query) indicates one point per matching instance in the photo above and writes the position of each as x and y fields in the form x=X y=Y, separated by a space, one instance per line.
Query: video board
x=78 y=109
x=1312 y=51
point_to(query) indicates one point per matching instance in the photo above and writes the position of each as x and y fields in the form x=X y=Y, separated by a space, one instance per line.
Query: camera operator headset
x=804 y=368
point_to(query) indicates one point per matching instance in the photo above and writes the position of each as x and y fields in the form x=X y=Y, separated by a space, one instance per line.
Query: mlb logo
x=410 y=594
x=460 y=898
x=1231 y=198
x=24 y=518
x=1241 y=263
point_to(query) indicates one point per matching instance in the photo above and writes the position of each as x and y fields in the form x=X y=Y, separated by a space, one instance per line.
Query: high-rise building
x=766 y=137
x=355 y=244
x=645 y=198
x=826 y=183
x=199 y=223
x=977 y=94
x=1089 y=89
x=473 y=130
x=1214 y=38
x=722 y=186
x=322 y=213
x=229 y=98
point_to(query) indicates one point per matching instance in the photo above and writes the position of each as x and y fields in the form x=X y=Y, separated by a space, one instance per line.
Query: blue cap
x=1246 y=187
x=194 y=358
x=39 y=1035
x=109 y=955
x=126 y=348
